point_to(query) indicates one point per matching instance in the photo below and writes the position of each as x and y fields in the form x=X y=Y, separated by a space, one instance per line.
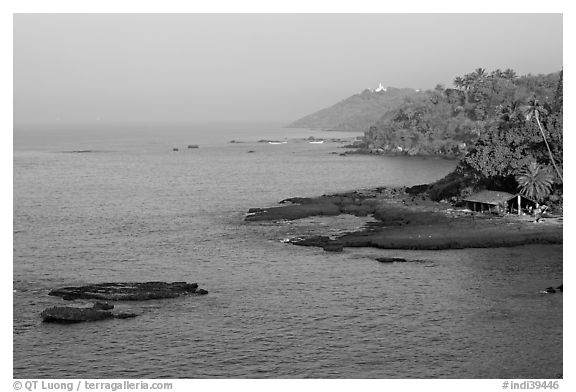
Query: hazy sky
x=254 y=67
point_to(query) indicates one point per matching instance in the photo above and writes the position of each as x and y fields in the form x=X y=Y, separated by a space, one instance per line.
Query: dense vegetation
x=518 y=126
x=447 y=121
x=505 y=129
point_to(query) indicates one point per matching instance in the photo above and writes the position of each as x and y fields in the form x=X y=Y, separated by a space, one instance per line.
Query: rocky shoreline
x=406 y=220
x=354 y=150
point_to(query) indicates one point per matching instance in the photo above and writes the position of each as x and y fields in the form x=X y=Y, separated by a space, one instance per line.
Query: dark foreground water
x=133 y=210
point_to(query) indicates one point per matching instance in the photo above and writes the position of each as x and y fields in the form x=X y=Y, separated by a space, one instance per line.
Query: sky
x=199 y=68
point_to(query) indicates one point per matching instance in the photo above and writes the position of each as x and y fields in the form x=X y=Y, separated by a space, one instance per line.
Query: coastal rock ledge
x=69 y=314
x=408 y=219
x=128 y=291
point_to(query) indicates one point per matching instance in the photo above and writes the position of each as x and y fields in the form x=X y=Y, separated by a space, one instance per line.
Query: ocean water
x=131 y=209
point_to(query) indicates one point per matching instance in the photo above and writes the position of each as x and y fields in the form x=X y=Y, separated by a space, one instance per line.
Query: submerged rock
x=69 y=314
x=126 y=291
x=324 y=242
x=320 y=241
x=125 y=315
x=103 y=306
x=333 y=247
x=401 y=260
x=391 y=260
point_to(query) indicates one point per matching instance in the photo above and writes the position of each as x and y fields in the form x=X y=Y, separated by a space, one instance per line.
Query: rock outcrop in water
x=69 y=314
x=116 y=291
x=552 y=290
x=354 y=203
x=126 y=291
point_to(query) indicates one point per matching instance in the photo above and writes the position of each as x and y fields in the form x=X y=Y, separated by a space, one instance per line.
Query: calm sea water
x=134 y=210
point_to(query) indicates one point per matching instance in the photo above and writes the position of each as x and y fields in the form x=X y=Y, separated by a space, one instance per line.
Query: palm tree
x=469 y=80
x=509 y=74
x=480 y=73
x=463 y=83
x=459 y=82
x=535 y=181
x=497 y=74
x=511 y=110
x=534 y=110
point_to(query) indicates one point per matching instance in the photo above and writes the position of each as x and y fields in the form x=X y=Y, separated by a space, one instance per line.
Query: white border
x=307 y=6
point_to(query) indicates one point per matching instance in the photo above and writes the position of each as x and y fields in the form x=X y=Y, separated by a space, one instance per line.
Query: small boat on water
x=316 y=142
x=284 y=142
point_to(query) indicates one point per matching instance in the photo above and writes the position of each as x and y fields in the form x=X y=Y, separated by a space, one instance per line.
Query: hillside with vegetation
x=356 y=113
x=505 y=129
x=448 y=121
x=517 y=127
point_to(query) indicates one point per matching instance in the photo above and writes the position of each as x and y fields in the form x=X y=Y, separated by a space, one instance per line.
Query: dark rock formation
x=68 y=314
x=175 y=149
x=406 y=221
x=323 y=242
x=417 y=189
x=125 y=315
x=328 y=205
x=398 y=260
x=102 y=306
x=391 y=260
x=552 y=290
x=333 y=247
x=293 y=212
x=320 y=241
x=192 y=146
x=127 y=291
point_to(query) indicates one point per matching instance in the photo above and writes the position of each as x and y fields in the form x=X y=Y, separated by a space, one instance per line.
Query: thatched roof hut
x=497 y=201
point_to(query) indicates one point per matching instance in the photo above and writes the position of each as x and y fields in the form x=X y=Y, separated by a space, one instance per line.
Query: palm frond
x=535 y=181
